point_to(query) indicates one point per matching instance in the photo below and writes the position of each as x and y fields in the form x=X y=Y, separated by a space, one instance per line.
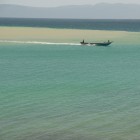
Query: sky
x=54 y=3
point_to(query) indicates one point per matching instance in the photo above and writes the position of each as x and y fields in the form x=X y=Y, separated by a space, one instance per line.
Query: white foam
x=37 y=42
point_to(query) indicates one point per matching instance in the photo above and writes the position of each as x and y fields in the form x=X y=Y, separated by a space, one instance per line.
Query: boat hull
x=102 y=44
x=97 y=44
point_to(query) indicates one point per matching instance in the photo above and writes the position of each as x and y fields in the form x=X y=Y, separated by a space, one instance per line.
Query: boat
x=84 y=43
x=97 y=43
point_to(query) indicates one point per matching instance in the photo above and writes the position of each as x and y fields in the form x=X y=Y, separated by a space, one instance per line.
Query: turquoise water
x=67 y=92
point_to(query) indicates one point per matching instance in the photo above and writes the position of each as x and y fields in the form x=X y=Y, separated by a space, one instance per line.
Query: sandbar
x=67 y=35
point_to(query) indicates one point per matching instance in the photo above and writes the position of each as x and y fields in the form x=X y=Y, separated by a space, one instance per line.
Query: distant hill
x=98 y=11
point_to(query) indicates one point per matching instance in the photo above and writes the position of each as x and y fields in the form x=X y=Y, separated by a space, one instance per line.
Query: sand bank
x=66 y=35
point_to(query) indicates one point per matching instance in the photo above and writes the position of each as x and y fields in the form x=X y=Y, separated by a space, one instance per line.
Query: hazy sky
x=51 y=3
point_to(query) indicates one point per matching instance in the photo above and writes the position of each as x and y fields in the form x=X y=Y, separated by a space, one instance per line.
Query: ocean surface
x=55 y=92
x=91 y=24
x=69 y=92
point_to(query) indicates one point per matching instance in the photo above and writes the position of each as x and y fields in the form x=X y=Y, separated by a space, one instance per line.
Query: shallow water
x=64 y=92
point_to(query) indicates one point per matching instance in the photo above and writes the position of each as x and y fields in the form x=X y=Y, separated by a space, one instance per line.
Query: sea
x=70 y=92
x=132 y=25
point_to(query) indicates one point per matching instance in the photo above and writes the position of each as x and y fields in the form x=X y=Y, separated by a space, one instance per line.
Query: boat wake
x=38 y=42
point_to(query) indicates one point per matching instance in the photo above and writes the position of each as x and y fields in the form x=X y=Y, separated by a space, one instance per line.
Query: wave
x=38 y=42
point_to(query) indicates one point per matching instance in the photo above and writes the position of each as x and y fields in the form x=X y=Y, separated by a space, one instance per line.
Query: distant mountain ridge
x=98 y=11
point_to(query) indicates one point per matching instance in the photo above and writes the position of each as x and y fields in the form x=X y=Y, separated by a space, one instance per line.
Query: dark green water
x=131 y=25
x=59 y=92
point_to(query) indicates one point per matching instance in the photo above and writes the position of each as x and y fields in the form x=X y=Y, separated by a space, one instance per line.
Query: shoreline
x=58 y=35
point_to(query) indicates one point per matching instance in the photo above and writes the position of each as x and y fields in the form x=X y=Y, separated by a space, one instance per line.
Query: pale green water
x=54 y=92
